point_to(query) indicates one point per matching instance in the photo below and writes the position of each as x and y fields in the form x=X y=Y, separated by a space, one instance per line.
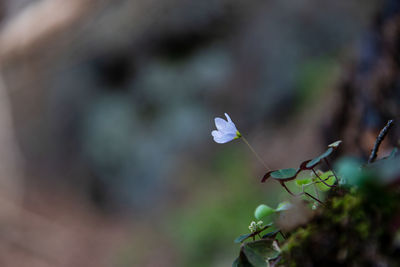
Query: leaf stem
x=302 y=193
x=255 y=153
x=316 y=199
x=287 y=189
x=334 y=173
x=323 y=181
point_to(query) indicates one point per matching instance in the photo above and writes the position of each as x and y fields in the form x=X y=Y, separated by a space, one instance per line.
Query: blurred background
x=107 y=108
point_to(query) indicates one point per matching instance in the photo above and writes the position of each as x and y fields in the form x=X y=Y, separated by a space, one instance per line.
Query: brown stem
x=287 y=189
x=323 y=181
x=296 y=195
x=330 y=167
x=258 y=232
x=316 y=199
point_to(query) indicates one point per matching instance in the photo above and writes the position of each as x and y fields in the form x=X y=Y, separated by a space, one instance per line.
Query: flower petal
x=227 y=117
x=230 y=128
x=225 y=138
x=217 y=134
x=220 y=123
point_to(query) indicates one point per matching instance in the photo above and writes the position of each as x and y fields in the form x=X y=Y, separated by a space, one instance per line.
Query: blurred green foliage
x=314 y=77
x=218 y=214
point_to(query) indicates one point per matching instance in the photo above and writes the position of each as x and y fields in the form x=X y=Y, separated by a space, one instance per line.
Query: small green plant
x=264 y=248
x=286 y=175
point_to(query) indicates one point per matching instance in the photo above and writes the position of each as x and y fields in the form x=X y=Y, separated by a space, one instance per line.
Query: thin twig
x=379 y=140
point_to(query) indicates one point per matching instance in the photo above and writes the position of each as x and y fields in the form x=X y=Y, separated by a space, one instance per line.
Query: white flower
x=253 y=227
x=226 y=130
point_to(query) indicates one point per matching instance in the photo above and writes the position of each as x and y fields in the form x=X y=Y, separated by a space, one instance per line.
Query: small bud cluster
x=254 y=227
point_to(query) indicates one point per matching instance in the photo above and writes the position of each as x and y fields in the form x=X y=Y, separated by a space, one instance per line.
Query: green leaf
x=271 y=234
x=329 y=181
x=349 y=171
x=393 y=153
x=263 y=248
x=285 y=205
x=263 y=211
x=236 y=263
x=303 y=165
x=335 y=144
x=318 y=159
x=305 y=181
x=241 y=261
x=254 y=258
x=284 y=174
x=241 y=238
x=256 y=253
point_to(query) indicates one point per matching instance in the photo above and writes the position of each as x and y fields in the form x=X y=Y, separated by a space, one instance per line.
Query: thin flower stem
x=255 y=153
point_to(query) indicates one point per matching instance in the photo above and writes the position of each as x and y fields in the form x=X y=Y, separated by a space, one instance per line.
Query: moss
x=353 y=229
x=341 y=208
x=345 y=203
x=363 y=229
x=297 y=238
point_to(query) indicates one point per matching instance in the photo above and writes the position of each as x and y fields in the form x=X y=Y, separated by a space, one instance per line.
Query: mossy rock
x=353 y=229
